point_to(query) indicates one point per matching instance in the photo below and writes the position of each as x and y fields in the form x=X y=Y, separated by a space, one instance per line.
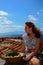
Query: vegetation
x=11 y=53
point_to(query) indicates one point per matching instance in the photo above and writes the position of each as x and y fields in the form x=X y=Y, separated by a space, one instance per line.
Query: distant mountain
x=12 y=34
x=15 y=34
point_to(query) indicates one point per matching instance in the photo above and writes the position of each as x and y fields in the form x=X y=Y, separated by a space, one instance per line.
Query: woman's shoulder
x=24 y=35
x=38 y=40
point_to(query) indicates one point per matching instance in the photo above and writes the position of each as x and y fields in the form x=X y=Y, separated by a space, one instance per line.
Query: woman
x=31 y=43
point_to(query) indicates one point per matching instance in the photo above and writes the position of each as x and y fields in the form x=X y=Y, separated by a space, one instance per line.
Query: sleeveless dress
x=29 y=45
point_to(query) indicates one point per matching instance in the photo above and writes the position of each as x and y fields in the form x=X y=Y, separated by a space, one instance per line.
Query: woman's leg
x=35 y=61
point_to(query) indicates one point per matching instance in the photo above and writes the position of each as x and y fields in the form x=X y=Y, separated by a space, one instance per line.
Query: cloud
x=32 y=18
x=7 y=25
x=9 y=28
x=3 y=13
x=38 y=13
x=17 y=26
x=5 y=20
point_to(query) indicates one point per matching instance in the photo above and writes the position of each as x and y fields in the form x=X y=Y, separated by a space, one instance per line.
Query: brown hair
x=34 y=29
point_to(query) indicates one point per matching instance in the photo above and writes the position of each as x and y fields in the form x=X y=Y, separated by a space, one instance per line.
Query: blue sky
x=14 y=14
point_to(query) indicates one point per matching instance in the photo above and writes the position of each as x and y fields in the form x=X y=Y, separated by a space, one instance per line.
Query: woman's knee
x=35 y=61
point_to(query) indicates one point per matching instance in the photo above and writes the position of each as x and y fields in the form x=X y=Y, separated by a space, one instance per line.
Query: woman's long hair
x=35 y=30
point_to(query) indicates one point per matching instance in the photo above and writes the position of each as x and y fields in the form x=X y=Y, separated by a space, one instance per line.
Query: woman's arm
x=23 y=46
x=37 y=47
x=29 y=56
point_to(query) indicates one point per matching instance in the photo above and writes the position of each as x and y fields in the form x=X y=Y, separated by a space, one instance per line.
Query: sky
x=14 y=14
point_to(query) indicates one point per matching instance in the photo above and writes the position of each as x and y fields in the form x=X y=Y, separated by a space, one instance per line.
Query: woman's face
x=28 y=30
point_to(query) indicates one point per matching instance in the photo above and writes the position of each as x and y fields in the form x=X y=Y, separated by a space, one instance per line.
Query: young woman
x=31 y=43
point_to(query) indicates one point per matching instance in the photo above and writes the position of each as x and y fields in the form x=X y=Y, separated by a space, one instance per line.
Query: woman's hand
x=28 y=57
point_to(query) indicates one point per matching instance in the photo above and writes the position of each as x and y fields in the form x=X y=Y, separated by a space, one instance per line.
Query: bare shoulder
x=38 y=39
